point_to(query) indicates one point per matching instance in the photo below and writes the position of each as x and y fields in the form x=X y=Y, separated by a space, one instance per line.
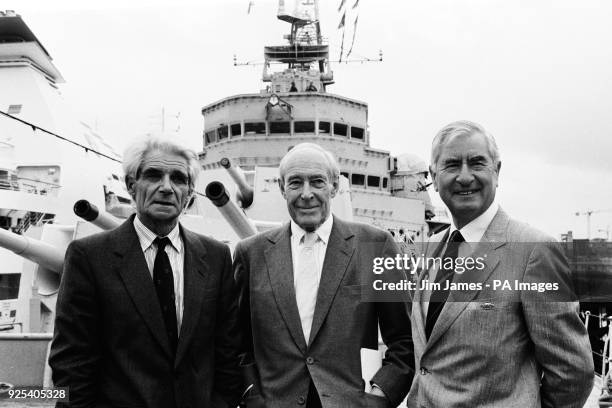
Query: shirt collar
x=475 y=229
x=323 y=232
x=146 y=236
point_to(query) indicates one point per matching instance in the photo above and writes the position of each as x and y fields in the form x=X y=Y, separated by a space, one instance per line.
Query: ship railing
x=31 y=218
x=28 y=185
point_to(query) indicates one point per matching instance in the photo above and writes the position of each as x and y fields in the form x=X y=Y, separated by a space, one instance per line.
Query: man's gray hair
x=138 y=150
x=332 y=164
x=462 y=127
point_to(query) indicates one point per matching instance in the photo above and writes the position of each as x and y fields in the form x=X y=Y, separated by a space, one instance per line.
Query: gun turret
x=90 y=212
x=37 y=251
x=245 y=192
x=239 y=222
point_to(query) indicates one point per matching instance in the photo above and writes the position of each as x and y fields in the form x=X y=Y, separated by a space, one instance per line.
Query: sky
x=535 y=74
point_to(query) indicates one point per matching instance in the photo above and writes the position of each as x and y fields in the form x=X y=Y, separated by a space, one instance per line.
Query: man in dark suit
x=488 y=345
x=301 y=301
x=147 y=313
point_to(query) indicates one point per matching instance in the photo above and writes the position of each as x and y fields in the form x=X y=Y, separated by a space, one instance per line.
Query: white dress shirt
x=319 y=249
x=472 y=234
x=176 y=255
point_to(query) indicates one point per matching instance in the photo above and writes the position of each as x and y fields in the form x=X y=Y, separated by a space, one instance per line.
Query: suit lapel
x=280 y=272
x=133 y=270
x=337 y=257
x=493 y=239
x=195 y=271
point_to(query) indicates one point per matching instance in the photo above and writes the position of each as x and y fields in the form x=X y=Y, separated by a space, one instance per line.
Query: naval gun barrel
x=239 y=222
x=245 y=192
x=90 y=212
x=34 y=250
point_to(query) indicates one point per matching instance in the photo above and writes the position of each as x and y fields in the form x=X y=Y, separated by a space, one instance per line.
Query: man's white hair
x=136 y=152
x=462 y=127
x=332 y=164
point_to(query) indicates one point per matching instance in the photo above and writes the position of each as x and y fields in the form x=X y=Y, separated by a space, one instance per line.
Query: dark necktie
x=164 y=286
x=438 y=297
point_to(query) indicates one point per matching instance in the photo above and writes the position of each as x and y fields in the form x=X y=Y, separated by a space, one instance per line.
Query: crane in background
x=588 y=214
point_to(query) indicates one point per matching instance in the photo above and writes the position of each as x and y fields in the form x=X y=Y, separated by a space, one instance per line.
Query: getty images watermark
x=413 y=265
x=495 y=271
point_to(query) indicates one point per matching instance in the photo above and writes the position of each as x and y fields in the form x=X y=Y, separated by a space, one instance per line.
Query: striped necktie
x=307 y=282
x=438 y=297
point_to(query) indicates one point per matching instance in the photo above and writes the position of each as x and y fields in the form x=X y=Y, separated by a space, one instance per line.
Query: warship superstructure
x=255 y=130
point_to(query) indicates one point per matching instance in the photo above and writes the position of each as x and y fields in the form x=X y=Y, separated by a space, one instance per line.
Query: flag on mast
x=342 y=21
x=348 y=25
x=353 y=40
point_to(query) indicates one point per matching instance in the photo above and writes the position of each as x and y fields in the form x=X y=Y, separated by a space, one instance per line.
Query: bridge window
x=9 y=285
x=303 y=127
x=210 y=137
x=357 y=179
x=222 y=132
x=324 y=127
x=356 y=133
x=280 y=127
x=236 y=129
x=374 y=181
x=340 y=129
x=255 y=128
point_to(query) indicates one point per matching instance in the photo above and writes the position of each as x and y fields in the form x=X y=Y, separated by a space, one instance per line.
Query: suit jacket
x=281 y=362
x=504 y=348
x=110 y=345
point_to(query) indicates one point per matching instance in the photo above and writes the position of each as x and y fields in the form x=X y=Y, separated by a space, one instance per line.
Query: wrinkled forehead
x=164 y=161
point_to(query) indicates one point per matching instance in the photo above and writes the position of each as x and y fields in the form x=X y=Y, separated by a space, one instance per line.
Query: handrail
x=20 y=184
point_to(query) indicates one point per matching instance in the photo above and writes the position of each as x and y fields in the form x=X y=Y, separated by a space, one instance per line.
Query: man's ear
x=191 y=197
x=281 y=185
x=433 y=177
x=129 y=184
x=335 y=186
x=498 y=168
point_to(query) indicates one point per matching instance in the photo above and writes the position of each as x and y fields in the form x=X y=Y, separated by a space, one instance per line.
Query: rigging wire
x=35 y=127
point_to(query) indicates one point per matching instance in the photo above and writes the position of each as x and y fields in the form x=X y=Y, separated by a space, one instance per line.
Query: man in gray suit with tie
x=486 y=345
x=147 y=313
x=301 y=303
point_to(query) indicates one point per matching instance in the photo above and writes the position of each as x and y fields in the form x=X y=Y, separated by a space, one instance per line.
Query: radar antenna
x=306 y=55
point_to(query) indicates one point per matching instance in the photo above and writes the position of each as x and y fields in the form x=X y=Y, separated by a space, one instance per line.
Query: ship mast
x=306 y=55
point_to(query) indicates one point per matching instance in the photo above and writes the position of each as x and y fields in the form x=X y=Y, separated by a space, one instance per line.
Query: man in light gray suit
x=482 y=345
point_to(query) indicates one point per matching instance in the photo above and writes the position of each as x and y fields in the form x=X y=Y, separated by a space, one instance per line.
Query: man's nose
x=165 y=183
x=465 y=175
x=306 y=191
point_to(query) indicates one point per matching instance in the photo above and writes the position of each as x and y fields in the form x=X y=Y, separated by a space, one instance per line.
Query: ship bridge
x=20 y=47
x=256 y=130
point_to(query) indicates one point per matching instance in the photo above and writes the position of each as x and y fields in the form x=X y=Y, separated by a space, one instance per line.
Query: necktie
x=307 y=282
x=438 y=297
x=164 y=286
